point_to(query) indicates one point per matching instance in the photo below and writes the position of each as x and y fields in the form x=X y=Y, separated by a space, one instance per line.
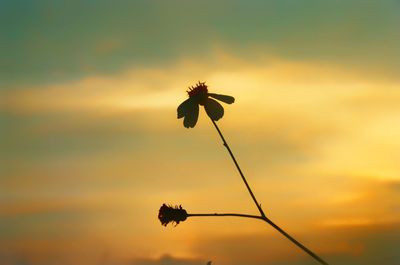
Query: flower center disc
x=199 y=93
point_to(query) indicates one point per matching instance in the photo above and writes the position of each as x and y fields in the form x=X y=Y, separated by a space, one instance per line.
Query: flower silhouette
x=168 y=214
x=198 y=95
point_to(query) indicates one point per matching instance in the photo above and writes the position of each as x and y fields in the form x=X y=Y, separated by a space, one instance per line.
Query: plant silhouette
x=198 y=95
x=189 y=110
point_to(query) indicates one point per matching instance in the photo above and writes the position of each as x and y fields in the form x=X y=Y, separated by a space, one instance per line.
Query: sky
x=91 y=147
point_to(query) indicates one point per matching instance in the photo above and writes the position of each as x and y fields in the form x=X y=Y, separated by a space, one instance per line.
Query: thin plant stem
x=263 y=216
x=297 y=243
x=238 y=168
x=225 y=214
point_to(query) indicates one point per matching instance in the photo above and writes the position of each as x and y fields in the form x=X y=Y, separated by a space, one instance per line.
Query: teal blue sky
x=48 y=41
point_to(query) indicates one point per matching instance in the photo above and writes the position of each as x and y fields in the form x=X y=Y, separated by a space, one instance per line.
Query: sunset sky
x=90 y=145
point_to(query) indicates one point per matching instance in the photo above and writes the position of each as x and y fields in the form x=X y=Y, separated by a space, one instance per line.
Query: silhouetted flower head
x=168 y=214
x=198 y=95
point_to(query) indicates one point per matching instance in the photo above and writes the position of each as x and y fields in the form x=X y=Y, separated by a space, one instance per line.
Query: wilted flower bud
x=169 y=214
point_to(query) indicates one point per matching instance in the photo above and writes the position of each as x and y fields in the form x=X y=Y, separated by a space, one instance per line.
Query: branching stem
x=263 y=216
x=238 y=168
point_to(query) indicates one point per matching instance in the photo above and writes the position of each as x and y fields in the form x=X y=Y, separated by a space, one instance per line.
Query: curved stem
x=263 y=216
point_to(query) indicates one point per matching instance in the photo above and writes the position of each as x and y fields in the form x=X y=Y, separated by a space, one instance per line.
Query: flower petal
x=224 y=98
x=191 y=115
x=184 y=107
x=214 y=110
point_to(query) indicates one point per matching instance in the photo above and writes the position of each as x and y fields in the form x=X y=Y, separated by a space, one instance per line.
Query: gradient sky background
x=90 y=146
